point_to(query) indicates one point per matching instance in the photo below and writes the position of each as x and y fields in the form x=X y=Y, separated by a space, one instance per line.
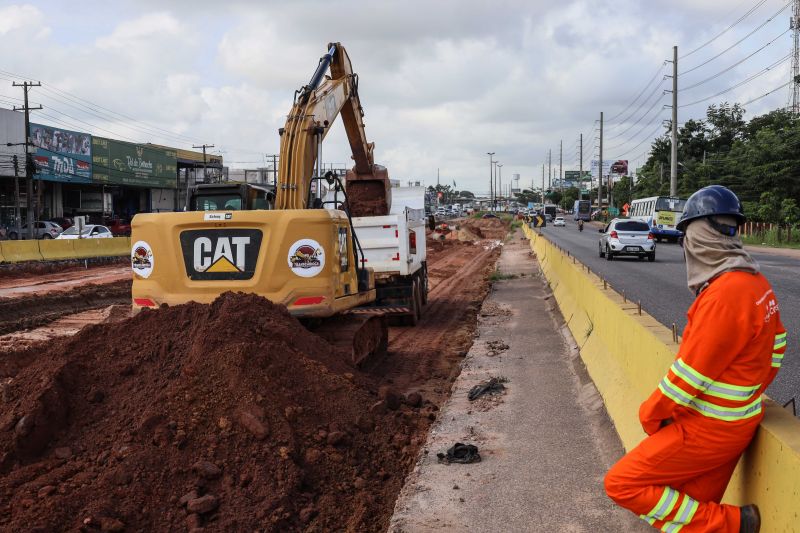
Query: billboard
x=12 y=130
x=61 y=155
x=136 y=165
x=611 y=166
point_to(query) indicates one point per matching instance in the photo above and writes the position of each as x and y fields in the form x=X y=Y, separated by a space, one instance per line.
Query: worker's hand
x=664 y=423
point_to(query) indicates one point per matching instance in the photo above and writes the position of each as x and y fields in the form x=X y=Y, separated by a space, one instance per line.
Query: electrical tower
x=794 y=25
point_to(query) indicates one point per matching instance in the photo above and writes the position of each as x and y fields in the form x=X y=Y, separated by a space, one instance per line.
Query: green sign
x=575 y=175
x=613 y=211
x=137 y=165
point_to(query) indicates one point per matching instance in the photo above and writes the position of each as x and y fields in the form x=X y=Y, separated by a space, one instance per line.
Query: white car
x=90 y=231
x=627 y=237
x=559 y=221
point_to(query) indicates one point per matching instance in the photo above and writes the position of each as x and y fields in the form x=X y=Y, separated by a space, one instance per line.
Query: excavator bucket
x=369 y=195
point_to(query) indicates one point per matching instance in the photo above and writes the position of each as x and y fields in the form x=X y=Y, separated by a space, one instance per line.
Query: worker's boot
x=750 y=519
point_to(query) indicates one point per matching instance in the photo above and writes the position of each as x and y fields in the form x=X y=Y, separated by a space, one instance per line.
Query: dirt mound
x=487 y=228
x=229 y=416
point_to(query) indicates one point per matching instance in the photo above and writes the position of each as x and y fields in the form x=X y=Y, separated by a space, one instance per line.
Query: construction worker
x=705 y=411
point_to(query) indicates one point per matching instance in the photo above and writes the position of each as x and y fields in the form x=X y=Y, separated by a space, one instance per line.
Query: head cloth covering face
x=709 y=253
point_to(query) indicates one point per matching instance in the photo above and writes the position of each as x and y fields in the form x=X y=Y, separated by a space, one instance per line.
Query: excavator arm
x=314 y=111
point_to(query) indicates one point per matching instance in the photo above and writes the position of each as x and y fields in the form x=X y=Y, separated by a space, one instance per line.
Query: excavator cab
x=231 y=196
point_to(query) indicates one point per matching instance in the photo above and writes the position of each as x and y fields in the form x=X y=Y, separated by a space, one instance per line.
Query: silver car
x=627 y=237
x=41 y=230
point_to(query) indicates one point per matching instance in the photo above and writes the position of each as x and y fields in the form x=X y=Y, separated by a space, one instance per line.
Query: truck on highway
x=582 y=210
x=394 y=248
x=550 y=209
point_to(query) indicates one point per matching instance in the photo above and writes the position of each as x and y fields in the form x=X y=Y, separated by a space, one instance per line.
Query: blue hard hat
x=711 y=201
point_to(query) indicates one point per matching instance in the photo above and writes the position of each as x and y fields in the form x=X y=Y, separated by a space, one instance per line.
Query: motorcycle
x=580 y=225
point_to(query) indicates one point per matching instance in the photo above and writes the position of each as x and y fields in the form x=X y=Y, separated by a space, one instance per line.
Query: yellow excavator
x=291 y=245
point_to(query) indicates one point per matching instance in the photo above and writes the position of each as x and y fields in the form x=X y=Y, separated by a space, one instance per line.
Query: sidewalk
x=546 y=443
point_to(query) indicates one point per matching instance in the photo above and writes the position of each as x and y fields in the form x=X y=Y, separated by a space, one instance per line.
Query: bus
x=661 y=213
x=582 y=210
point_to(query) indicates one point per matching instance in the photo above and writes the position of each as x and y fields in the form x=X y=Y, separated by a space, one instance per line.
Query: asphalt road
x=661 y=287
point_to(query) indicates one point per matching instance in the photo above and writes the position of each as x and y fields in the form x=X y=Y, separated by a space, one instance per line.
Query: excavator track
x=359 y=337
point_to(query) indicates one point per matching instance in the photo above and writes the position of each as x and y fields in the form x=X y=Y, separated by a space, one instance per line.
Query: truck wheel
x=424 y=285
x=412 y=317
x=418 y=298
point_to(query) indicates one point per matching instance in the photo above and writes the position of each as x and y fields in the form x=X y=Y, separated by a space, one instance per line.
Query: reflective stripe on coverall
x=732 y=348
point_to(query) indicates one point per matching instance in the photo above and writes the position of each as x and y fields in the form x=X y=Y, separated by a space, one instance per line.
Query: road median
x=626 y=352
x=63 y=249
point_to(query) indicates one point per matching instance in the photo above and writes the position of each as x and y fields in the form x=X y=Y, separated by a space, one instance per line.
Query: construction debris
x=491 y=386
x=460 y=453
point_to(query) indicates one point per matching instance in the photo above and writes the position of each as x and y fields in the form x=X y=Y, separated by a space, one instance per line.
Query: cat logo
x=227 y=254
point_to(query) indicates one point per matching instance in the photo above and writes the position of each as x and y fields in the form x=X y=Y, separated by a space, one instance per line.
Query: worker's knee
x=616 y=486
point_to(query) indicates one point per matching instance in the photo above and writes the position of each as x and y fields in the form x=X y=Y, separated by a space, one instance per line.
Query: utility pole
x=497 y=191
x=673 y=171
x=491 y=177
x=500 y=181
x=580 y=172
x=549 y=169
x=17 y=216
x=794 y=25
x=205 y=164
x=560 y=169
x=542 y=185
x=600 y=169
x=25 y=86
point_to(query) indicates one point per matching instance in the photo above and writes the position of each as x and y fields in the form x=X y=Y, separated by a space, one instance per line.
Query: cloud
x=22 y=18
x=441 y=82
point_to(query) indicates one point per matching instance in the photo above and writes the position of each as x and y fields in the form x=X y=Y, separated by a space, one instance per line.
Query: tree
x=570 y=195
x=622 y=192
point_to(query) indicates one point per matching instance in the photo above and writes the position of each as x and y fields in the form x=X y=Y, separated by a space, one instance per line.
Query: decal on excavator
x=306 y=258
x=224 y=254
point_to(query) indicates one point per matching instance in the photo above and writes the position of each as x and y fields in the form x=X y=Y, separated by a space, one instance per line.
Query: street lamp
x=491 y=178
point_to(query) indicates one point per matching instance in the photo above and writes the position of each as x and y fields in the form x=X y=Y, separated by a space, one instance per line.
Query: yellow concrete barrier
x=16 y=251
x=57 y=249
x=88 y=248
x=626 y=355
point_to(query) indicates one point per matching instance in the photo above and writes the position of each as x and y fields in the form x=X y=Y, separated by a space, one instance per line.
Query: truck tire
x=424 y=285
x=418 y=298
x=412 y=317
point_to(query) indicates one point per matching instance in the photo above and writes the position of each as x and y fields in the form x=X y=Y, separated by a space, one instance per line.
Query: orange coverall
x=732 y=348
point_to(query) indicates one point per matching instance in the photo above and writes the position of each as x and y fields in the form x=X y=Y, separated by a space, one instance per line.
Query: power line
x=737 y=43
x=743 y=82
x=655 y=103
x=721 y=72
x=644 y=102
x=767 y=94
x=646 y=139
x=636 y=135
x=647 y=85
x=88 y=103
x=723 y=32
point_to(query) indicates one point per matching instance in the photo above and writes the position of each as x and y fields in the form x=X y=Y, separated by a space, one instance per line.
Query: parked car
x=559 y=221
x=91 y=231
x=119 y=227
x=64 y=222
x=41 y=230
x=627 y=237
x=490 y=215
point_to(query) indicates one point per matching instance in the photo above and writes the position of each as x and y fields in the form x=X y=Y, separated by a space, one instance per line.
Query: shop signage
x=137 y=165
x=61 y=155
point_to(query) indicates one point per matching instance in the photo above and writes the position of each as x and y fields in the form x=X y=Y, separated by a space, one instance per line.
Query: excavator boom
x=315 y=108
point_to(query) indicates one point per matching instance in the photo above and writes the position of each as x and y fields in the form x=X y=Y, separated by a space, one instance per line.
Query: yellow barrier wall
x=626 y=355
x=61 y=249
x=15 y=251
x=54 y=250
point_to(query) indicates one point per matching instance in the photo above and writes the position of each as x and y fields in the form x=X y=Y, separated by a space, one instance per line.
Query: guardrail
x=63 y=249
x=626 y=352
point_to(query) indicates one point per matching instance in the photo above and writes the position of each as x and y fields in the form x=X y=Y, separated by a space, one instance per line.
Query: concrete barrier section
x=57 y=250
x=626 y=355
x=63 y=249
x=16 y=251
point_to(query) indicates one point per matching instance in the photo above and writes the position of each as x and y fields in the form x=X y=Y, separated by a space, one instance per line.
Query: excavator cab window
x=217 y=202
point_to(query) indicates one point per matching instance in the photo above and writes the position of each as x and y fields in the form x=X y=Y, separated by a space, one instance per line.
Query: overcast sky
x=442 y=82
